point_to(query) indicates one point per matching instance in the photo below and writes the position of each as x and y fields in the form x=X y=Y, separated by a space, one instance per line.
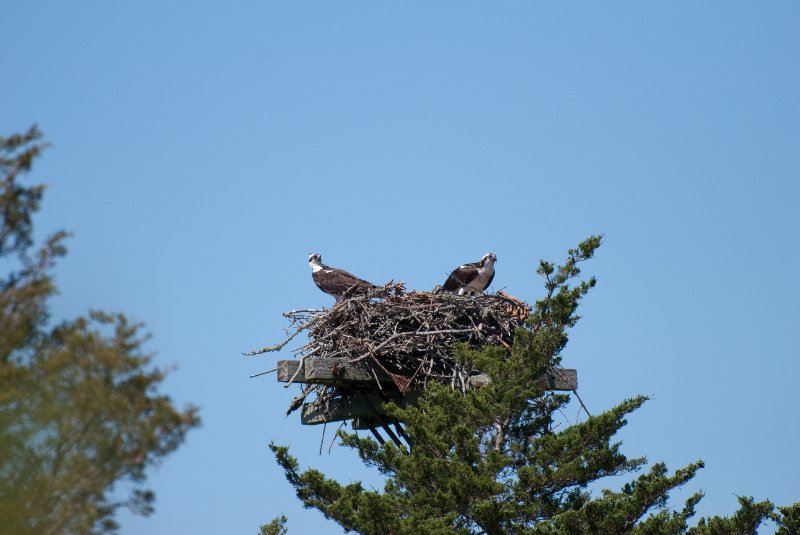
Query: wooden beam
x=336 y=372
x=336 y=410
x=361 y=408
x=332 y=371
x=347 y=408
x=560 y=379
x=377 y=436
x=362 y=424
x=329 y=372
x=287 y=370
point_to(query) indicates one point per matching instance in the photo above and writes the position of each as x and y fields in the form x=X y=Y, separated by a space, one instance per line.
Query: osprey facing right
x=336 y=282
x=472 y=278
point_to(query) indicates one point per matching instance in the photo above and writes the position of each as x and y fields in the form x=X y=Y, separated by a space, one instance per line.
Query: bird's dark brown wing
x=489 y=282
x=336 y=282
x=461 y=276
x=352 y=284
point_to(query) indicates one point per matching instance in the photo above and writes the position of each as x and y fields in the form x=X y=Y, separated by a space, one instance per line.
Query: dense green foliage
x=492 y=461
x=276 y=527
x=79 y=404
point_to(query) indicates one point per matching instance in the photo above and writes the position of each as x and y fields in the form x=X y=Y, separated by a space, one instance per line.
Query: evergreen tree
x=80 y=409
x=490 y=461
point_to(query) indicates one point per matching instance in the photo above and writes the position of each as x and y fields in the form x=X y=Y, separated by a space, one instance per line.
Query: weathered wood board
x=328 y=372
x=560 y=379
x=362 y=405
x=364 y=423
x=335 y=372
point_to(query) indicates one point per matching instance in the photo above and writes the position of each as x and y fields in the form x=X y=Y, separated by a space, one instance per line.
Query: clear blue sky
x=201 y=150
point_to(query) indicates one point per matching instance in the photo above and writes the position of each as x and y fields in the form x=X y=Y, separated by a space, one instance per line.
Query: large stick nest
x=411 y=336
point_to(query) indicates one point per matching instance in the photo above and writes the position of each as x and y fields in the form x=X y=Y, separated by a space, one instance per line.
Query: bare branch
x=278 y=347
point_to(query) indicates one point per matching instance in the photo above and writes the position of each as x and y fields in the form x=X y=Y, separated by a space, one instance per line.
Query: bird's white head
x=488 y=259
x=315 y=261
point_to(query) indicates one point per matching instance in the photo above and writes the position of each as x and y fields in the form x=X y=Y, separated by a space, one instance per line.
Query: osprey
x=472 y=278
x=336 y=282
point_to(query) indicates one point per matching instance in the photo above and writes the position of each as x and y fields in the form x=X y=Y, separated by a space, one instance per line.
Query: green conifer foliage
x=80 y=409
x=491 y=461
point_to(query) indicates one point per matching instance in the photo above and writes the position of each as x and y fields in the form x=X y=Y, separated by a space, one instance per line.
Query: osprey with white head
x=472 y=278
x=336 y=282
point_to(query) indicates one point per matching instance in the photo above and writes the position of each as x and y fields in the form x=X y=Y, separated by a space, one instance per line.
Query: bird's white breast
x=484 y=274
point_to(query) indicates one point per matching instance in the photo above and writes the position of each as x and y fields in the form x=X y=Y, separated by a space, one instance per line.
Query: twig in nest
x=302 y=312
x=297 y=372
x=278 y=347
x=264 y=372
x=297 y=402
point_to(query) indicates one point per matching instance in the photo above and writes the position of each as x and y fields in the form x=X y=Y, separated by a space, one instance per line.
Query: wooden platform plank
x=329 y=372
x=358 y=409
x=561 y=379
x=357 y=406
x=362 y=424
x=361 y=407
x=337 y=410
x=287 y=369
x=332 y=371
x=335 y=372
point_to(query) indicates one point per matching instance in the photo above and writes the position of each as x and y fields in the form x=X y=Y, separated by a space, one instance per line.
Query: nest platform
x=387 y=345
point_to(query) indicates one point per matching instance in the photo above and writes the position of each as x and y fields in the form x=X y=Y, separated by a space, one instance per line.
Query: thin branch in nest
x=278 y=347
x=297 y=402
x=302 y=312
x=297 y=372
x=398 y=335
x=264 y=372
